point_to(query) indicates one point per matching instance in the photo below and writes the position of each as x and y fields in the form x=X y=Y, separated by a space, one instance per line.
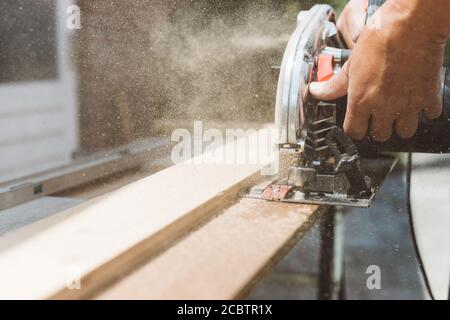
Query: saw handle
x=432 y=136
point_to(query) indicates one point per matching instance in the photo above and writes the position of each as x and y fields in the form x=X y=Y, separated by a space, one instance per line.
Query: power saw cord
x=411 y=227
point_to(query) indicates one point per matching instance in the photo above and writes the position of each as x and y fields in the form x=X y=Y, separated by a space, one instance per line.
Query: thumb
x=331 y=89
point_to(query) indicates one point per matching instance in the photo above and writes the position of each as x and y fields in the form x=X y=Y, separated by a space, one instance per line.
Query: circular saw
x=318 y=163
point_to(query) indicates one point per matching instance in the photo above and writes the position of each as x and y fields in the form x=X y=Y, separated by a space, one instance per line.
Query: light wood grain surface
x=224 y=258
x=105 y=239
x=109 y=234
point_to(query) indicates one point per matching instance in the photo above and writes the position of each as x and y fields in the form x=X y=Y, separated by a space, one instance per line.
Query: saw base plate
x=376 y=169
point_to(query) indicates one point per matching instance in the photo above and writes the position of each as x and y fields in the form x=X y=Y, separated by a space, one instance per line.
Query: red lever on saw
x=325 y=67
x=277 y=192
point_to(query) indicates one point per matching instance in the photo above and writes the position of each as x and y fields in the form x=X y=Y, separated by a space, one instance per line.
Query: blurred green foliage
x=338 y=5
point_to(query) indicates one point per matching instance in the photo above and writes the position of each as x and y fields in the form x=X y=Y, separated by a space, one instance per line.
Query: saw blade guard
x=315 y=31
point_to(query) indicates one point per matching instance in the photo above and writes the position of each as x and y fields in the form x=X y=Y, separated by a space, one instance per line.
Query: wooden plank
x=224 y=258
x=110 y=235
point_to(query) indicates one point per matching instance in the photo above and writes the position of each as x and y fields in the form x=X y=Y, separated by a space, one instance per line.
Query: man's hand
x=394 y=72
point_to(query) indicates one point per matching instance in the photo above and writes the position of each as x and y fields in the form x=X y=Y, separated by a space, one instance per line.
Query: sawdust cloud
x=227 y=69
x=190 y=60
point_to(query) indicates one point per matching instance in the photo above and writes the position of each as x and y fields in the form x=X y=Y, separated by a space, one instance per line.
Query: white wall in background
x=38 y=119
